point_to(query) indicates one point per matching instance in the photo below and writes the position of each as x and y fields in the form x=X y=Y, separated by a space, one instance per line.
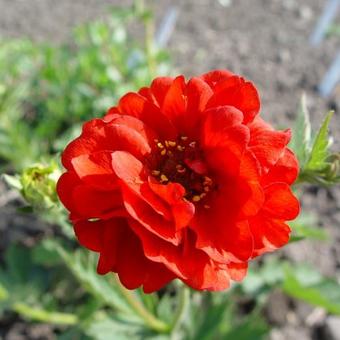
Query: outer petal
x=237 y=92
x=267 y=144
x=89 y=234
x=285 y=170
x=280 y=202
x=96 y=170
x=269 y=234
x=191 y=265
x=120 y=251
x=215 y=77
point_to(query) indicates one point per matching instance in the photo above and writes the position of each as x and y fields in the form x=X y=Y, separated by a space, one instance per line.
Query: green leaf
x=319 y=151
x=45 y=254
x=104 y=327
x=301 y=134
x=305 y=227
x=12 y=181
x=309 y=286
x=214 y=316
x=252 y=328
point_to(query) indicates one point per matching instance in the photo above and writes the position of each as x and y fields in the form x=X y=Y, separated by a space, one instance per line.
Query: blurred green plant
x=46 y=91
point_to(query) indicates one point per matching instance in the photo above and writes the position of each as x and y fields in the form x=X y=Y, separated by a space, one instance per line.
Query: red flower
x=181 y=180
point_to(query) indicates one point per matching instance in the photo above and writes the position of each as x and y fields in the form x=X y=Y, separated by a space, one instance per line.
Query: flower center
x=181 y=161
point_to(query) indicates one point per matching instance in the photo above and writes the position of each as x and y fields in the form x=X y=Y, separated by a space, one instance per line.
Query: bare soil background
x=264 y=40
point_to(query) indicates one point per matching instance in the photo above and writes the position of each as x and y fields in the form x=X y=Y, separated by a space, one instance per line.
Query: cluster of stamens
x=172 y=163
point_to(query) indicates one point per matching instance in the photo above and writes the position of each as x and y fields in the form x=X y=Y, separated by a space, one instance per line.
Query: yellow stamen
x=166 y=143
x=155 y=172
x=164 y=178
x=160 y=145
x=184 y=137
x=196 y=198
x=172 y=144
x=180 y=147
x=163 y=152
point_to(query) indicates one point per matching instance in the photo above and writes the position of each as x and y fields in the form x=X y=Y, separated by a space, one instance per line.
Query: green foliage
x=304 y=227
x=317 y=163
x=308 y=285
x=47 y=91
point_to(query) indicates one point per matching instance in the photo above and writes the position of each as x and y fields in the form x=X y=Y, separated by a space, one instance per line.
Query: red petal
x=134 y=269
x=269 y=234
x=224 y=139
x=193 y=266
x=121 y=252
x=173 y=194
x=65 y=186
x=267 y=144
x=280 y=202
x=285 y=170
x=159 y=88
x=215 y=77
x=92 y=138
x=237 y=271
x=198 y=93
x=174 y=105
x=134 y=104
x=237 y=92
x=96 y=170
x=89 y=234
x=91 y=203
x=218 y=232
x=131 y=172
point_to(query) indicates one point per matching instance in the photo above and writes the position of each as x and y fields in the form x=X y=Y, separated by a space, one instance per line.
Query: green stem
x=184 y=299
x=150 y=320
x=38 y=314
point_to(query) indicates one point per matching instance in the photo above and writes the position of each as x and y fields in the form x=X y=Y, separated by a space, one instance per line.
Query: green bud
x=38 y=185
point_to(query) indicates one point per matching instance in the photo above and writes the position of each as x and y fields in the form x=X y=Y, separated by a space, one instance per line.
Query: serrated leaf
x=301 y=136
x=319 y=151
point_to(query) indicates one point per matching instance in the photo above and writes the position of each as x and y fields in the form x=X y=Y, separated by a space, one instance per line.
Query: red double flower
x=181 y=180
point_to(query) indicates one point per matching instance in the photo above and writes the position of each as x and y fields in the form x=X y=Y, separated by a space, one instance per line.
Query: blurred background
x=62 y=62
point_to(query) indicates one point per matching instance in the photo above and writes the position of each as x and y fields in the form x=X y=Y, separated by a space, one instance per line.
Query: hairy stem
x=184 y=299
